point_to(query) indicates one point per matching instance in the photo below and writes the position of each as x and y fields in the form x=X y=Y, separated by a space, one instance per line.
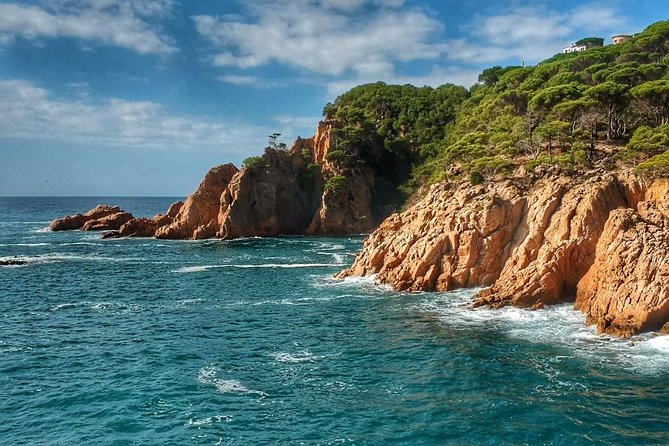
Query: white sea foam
x=200 y=268
x=102 y=306
x=560 y=325
x=659 y=344
x=365 y=283
x=29 y=260
x=209 y=420
x=55 y=257
x=191 y=269
x=115 y=307
x=339 y=258
x=286 y=301
x=209 y=375
x=81 y=243
x=296 y=358
x=184 y=302
x=25 y=244
x=67 y=306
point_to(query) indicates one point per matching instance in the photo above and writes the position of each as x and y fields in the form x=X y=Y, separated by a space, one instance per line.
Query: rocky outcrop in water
x=536 y=244
x=296 y=191
x=346 y=209
x=99 y=218
x=277 y=196
x=13 y=262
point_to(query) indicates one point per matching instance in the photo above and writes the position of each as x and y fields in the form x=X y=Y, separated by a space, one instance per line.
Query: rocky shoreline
x=600 y=240
x=597 y=238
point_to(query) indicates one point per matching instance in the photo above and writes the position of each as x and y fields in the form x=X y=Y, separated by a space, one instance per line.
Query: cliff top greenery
x=566 y=112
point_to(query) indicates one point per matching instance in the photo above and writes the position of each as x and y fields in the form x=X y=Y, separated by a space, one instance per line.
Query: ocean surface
x=252 y=341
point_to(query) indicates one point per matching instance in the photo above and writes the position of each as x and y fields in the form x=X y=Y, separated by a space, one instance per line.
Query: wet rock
x=79 y=220
x=12 y=262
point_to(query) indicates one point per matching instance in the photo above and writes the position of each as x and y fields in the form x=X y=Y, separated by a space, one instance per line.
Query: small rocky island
x=543 y=185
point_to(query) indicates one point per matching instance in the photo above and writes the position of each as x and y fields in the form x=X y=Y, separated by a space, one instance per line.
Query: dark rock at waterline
x=12 y=262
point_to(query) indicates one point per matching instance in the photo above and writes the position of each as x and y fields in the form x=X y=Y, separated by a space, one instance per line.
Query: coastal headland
x=541 y=185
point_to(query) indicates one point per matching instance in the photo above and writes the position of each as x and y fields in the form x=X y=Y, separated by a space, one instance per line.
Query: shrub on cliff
x=336 y=156
x=650 y=141
x=335 y=183
x=488 y=167
x=657 y=166
x=255 y=162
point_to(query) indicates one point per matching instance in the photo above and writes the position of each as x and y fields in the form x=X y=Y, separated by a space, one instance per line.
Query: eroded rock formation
x=282 y=192
x=276 y=197
x=345 y=210
x=602 y=237
x=97 y=219
x=626 y=290
x=198 y=217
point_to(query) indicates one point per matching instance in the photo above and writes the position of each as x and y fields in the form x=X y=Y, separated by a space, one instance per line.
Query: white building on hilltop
x=573 y=48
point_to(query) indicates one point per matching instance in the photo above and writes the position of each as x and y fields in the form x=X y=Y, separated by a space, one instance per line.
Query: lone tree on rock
x=275 y=143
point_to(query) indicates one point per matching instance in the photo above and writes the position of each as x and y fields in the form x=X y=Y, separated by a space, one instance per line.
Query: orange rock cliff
x=601 y=241
x=283 y=192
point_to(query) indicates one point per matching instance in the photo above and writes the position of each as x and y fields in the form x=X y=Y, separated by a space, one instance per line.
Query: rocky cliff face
x=536 y=244
x=627 y=288
x=283 y=192
x=346 y=209
x=198 y=217
x=276 y=197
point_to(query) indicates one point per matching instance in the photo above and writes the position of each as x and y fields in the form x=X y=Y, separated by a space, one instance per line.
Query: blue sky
x=142 y=97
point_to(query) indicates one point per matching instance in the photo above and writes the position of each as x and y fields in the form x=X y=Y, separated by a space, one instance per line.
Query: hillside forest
x=608 y=105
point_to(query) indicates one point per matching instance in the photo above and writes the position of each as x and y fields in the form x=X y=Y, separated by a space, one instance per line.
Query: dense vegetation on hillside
x=607 y=102
x=381 y=128
x=384 y=126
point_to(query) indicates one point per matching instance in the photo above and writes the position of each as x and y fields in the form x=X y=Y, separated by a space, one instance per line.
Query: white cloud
x=251 y=81
x=123 y=23
x=240 y=80
x=596 y=16
x=30 y=112
x=298 y=122
x=328 y=37
x=342 y=43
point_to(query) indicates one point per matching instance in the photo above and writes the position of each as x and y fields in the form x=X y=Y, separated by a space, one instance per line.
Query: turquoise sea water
x=152 y=342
